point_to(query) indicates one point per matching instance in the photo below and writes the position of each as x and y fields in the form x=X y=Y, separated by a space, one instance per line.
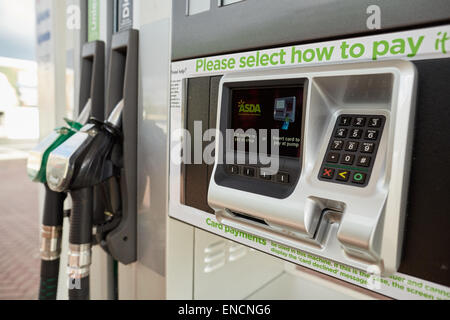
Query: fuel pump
x=53 y=213
x=96 y=157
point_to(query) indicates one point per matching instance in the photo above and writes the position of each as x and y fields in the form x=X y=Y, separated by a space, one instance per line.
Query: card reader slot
x=254 y=225
x=250 y=218
x=247 y=222
x=259 y=229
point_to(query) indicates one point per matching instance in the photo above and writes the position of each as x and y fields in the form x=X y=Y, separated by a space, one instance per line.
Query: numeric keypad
x=353 y=149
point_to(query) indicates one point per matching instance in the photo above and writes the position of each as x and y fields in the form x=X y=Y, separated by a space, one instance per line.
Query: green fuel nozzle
x=38 y=157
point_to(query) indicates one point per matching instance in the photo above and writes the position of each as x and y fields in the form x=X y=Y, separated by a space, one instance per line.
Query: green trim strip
x=347 y=168
x=93 y=20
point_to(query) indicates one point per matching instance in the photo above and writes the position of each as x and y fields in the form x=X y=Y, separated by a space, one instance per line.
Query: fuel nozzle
x=38 y=157
x=81 y=161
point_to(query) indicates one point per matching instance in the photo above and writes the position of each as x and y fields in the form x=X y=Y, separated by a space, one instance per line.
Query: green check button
x=359 y=178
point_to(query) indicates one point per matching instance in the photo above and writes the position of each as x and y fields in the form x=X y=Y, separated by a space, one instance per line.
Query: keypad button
x=368 y=147
x=364 y=161
x=233 y=169
x=343 y=175
x=333 y=157
x=356 y=134
x=359 y=178
x=348 y=159
x=359 y=122
x=341 y=133
x=352 y=146
x=371 y=135
x=345 y=121
x=249 y=172
x=328 y=173
x=375 y=122
x=337 y=145
x=283 y=178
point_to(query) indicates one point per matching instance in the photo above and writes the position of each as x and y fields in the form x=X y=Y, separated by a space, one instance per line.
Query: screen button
x=263 y=174
x=283 y=178
x=249 y=172
x=233 y=169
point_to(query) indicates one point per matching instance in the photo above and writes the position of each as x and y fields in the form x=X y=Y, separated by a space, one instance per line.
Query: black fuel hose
x=89 y=174
x=80 y=242
x=51 y=233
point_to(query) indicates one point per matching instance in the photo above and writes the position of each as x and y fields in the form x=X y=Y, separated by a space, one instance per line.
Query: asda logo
x=249 y=109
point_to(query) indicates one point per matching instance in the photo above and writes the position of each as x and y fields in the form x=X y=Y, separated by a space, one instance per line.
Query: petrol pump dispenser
x=96 y=157
x=53 y=213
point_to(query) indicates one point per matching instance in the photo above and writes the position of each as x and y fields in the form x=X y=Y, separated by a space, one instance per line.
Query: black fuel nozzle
x=83 y=161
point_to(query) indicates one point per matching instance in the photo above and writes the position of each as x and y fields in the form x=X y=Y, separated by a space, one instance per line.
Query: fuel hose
x=80 y=242
x=51 y=236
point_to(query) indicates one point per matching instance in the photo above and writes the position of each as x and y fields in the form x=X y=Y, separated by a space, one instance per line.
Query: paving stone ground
x=19 y=233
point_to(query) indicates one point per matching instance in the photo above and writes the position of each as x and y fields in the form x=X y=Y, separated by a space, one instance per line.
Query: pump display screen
x=270 y=108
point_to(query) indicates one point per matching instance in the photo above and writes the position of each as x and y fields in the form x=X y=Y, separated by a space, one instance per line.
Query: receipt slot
x=344 y=140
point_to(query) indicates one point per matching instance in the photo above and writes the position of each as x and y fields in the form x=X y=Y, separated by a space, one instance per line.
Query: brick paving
x=19 y=233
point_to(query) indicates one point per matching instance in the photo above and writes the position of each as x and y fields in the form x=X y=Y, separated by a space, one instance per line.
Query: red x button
x=328 y=173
